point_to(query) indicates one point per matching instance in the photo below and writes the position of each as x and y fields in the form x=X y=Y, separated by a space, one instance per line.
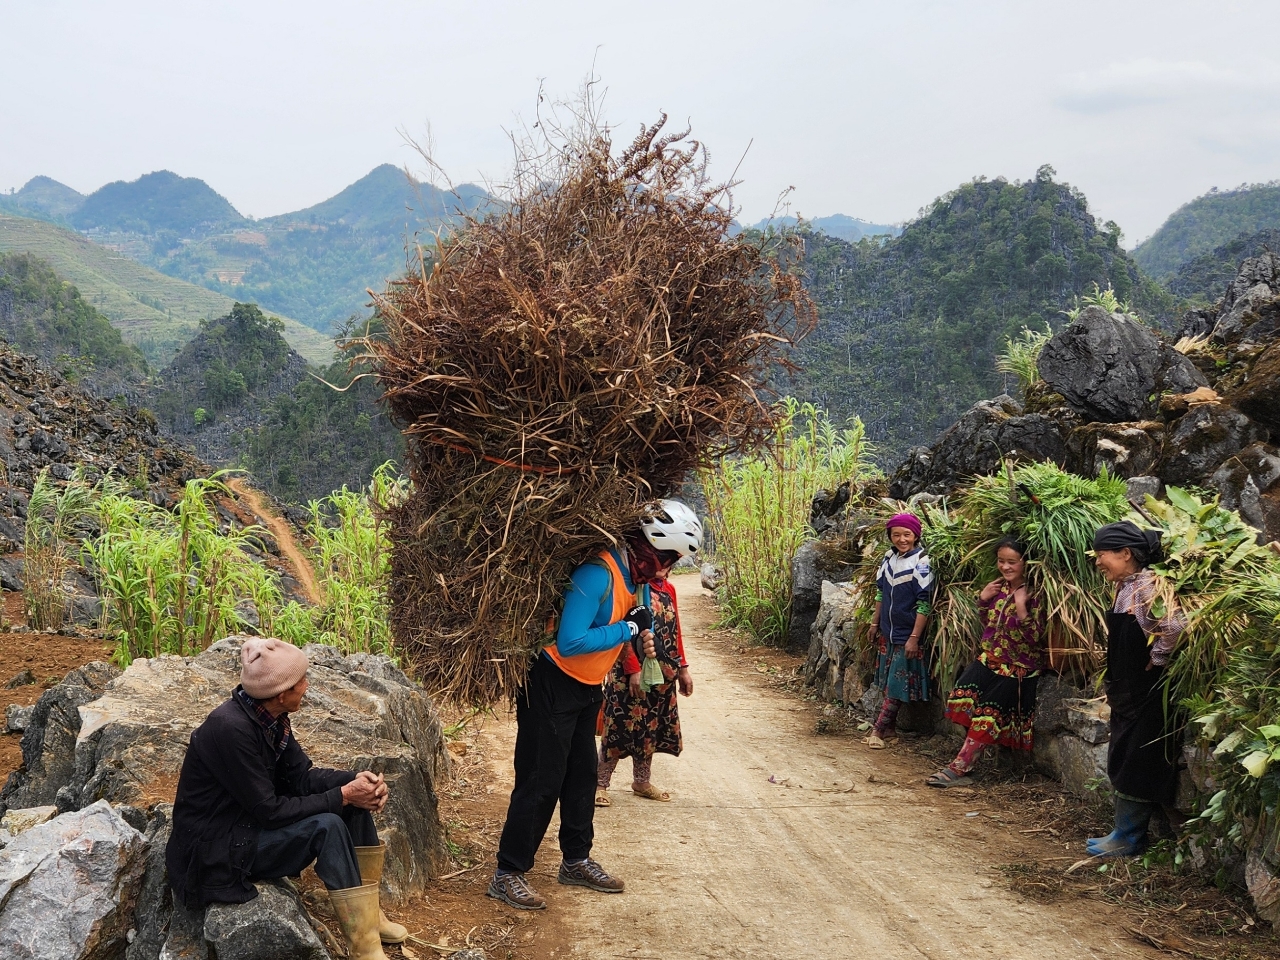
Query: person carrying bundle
x=904 y=590
x=639 y=719
x=1142 y=754
x=995 y=697
x=556 y=712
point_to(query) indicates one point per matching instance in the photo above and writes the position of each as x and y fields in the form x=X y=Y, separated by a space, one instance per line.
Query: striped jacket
x=904 y=587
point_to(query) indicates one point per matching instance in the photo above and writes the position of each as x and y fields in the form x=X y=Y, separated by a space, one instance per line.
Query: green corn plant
x=758 y=512
x=53 y=518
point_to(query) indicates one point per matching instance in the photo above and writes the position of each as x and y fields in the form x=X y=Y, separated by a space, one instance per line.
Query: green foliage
x=1021 y=356
x=173 y=583
x=1207 y=222
x=42 y=315
x=1203 y=279
x=231 y=360
x=318 y=437
x=352 y=562
x=908 y=326
x=54 y=517
x=758 y=512
x=156 y=201
x=1054 y=513
x=1106 y=299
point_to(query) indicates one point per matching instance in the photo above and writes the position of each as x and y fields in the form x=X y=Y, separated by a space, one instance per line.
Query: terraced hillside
x=155 y=312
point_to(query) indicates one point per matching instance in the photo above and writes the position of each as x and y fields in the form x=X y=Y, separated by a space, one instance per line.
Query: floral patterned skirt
x=902 y=677
x=639 y=727
x=996 y=709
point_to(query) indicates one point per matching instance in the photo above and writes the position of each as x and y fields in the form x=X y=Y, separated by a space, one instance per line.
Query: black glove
x=640 y=618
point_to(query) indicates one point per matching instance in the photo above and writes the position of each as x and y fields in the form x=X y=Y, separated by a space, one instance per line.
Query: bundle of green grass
x=1225 y=677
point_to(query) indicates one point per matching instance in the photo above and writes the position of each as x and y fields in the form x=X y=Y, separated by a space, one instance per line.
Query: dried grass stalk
x=561 y=362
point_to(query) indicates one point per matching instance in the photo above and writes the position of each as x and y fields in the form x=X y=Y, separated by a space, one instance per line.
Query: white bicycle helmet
x=670 y=525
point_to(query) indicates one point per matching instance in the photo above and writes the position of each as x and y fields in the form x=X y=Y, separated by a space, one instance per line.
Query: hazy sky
x=866 y=108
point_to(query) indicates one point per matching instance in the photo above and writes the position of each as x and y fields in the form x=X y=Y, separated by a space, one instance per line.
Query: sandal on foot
x=602 y=797
x=650 y=792
x=946 y=777
x=874 y=742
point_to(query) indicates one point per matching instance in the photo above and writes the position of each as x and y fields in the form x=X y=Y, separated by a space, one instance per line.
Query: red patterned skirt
x=996 y=709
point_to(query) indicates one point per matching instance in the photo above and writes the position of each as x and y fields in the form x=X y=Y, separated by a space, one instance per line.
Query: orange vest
x=593 y=668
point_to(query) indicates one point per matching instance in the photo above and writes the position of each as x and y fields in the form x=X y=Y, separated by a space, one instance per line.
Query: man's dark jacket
x=232 y=788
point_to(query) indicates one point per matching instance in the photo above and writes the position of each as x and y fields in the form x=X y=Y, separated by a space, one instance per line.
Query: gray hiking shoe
x=513 y=890
x=588 y=873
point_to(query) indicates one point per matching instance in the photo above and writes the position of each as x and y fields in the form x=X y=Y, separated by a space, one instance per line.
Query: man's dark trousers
x=325 y=839
x=555 y=762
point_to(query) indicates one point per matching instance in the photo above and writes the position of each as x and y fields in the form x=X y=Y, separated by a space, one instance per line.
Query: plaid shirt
x=278 y=728
x=1136 y=594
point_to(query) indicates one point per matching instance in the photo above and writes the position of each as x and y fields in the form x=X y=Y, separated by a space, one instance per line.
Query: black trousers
x=327 y=839
x=555 y=763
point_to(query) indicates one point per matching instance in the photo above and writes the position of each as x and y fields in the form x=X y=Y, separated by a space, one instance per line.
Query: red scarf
x=645 y=561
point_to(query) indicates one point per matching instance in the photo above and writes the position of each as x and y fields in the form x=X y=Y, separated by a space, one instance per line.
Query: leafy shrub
x=1021 y=356
x=53 y=518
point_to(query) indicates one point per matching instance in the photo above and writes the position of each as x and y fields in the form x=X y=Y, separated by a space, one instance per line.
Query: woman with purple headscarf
x=904 y=592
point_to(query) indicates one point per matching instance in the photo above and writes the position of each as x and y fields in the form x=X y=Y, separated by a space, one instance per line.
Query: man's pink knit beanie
x=269 y=666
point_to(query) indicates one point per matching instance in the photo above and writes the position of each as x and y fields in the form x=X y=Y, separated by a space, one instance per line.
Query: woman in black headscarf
x=1142 y=755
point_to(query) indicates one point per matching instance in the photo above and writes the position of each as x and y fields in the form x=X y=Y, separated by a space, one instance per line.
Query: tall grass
x=174 y=582
x=758 y=512
x=54 y=518
x=1021 y=356
x=352 y=561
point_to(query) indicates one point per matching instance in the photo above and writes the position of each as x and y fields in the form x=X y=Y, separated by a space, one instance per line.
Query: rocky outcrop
x=68 y=887
x=1119 y=397
x=48 y=743
x=272 y=926
x=975 y=444
x=1114 y=369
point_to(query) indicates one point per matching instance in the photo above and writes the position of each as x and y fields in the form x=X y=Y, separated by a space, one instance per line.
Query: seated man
x=250 y=806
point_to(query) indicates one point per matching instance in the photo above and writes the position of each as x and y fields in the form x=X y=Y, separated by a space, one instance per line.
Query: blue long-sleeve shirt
x=588 y=607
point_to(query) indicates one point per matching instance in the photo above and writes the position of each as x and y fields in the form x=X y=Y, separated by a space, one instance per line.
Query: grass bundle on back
x=563 y=361
x=1055 y=514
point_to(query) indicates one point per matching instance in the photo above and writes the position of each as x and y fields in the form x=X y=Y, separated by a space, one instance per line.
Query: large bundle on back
x=558 y=365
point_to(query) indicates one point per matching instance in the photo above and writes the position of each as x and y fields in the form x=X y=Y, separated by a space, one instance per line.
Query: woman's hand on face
x=685 y=679
x=633 y=685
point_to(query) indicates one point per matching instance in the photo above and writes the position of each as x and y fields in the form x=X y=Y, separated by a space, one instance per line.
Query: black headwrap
x=1118 y=536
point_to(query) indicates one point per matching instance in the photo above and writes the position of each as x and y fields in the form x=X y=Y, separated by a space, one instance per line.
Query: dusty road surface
x=844 y=854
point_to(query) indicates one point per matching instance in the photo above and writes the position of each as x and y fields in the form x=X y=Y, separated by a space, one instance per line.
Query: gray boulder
x=1113 y=369
x=361 y=712
x=155 y=898
x=272 y=926
x=1246 y=310
x=1123 y=449
x=1249 y=482
x=68 y=887
x=806 y=595
x=48 y=745
x=826 y=668
x=975 y=444
x=1258 y=395
x=1203 y=439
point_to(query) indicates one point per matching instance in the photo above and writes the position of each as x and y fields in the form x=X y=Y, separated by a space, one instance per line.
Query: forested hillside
x=910 y=327
x=155 y=203
x=1203 y=279
x=43 y=315
x=1207 y=222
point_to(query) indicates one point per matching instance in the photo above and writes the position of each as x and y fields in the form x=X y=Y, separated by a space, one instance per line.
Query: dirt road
x=844 y=854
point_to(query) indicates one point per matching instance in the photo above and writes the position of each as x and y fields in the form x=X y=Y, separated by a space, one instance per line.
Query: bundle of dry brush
x=558 y=364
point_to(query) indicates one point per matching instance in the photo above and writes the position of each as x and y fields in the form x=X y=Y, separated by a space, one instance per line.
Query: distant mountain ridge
x=838 y=225
x=315 y=264
x=1207 y=222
